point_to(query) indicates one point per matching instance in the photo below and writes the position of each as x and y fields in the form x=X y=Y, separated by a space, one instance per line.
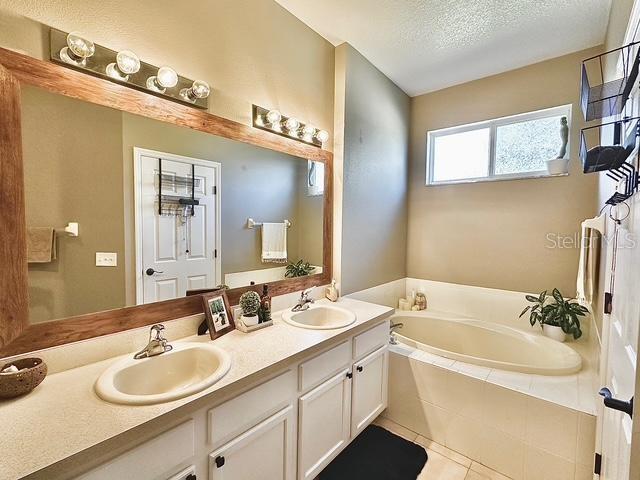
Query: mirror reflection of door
x=178 y=225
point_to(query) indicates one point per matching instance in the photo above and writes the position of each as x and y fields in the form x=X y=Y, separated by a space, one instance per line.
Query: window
x=504 y=148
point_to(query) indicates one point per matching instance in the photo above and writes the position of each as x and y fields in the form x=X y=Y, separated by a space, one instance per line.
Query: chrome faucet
x=304 y=301
x=392 y=328
x=157 y=344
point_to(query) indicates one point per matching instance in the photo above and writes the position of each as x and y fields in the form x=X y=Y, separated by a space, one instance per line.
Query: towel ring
x=619 y=220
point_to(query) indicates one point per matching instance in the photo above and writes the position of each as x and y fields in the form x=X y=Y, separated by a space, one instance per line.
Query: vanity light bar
x=273 y=121
x=78 y=52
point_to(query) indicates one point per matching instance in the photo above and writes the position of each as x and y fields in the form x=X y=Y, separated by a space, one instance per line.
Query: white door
x=323 y=424
x=369 y=393
x=620 y=353
x=175 y=250
x=266 y=451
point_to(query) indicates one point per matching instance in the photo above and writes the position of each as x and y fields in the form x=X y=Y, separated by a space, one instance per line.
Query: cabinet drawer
x=237 y=415
x=371 y=340
x=152 y=459
x=314 y=371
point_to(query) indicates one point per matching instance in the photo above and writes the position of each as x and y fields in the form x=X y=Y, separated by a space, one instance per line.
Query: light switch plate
x=106 y=259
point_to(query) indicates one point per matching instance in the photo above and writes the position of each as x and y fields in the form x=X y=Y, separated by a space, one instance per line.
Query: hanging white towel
x=593 y=230
x=274 y=243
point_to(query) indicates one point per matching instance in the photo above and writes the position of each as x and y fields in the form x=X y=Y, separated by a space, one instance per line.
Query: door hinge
x=215 y=253
x=597 y=464
x=215 y=189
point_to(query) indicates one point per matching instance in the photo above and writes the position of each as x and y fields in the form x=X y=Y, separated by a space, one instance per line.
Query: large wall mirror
x=130 y=203
x=160 y=209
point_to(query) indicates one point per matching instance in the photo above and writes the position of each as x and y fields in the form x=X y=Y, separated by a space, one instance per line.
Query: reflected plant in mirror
x=299 y=269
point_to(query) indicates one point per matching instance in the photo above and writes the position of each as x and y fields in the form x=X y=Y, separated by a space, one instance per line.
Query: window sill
x=497 y=179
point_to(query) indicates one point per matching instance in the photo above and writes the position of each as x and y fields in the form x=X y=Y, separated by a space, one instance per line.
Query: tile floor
x=443 y=463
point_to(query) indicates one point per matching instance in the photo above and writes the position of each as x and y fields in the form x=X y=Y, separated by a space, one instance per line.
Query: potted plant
x=557 y=317
x=298 y=269
x=250 y=304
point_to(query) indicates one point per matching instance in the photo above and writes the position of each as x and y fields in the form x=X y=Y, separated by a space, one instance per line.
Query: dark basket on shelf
x=600 y=99
x=608 y=146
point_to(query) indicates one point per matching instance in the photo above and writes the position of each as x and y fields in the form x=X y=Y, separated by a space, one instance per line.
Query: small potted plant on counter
x=250 y=304
x=557 y=317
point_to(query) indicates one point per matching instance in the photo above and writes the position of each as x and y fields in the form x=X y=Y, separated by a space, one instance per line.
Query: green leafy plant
x=250 y=303
x=554 y=310
x=298 y=269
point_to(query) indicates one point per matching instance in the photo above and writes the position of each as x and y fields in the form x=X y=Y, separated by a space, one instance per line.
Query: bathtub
x=487 y=344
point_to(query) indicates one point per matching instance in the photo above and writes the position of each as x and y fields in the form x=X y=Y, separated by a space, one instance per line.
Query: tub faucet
x=157 y=344
x=304 y=301
x=392 y=328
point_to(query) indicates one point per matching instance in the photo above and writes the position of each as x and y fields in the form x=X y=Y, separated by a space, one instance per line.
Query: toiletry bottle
x=332 y=291
x=412 y=299
x=265 y=304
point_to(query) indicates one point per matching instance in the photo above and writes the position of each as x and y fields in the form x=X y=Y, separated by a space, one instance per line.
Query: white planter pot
x=249 y=321
x=557 y=166
x=554 y=333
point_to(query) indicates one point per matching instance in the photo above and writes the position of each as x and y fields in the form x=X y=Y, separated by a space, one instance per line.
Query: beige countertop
x=64 y=416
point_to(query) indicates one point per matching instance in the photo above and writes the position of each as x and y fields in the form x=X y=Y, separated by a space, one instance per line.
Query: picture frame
x=217 y=313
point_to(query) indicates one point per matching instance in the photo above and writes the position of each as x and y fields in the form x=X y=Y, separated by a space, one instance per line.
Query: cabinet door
x=264 y=451
x=369 y=396
x=323 y=423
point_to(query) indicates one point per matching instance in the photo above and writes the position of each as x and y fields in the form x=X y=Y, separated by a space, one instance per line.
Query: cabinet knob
x=219 y=461
x=349 y=375
x=191 y=476
x=359 y=368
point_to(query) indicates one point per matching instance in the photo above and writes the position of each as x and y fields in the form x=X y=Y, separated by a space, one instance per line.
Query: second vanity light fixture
x=74 y=50
x=274 y=121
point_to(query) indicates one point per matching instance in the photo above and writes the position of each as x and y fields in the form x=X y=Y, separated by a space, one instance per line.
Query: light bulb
x=78 y=49
x=308 y=131
x=322 y=136
x=165 y=78
x=127 y=63
x=199 y=89
x=274 y=117
x=292 y=124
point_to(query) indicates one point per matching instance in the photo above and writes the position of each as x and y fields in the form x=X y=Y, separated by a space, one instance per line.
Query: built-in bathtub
x=486 y=344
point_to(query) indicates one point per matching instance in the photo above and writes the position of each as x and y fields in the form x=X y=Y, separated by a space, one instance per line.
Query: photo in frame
x=218 y=314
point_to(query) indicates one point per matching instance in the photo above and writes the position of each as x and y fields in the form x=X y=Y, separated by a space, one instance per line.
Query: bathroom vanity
x=292 y=399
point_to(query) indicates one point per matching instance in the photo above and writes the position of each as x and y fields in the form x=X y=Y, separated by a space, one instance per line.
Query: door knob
x=151 y=271
x=615 y=404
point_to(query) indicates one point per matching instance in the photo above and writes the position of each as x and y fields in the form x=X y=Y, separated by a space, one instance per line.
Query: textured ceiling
x=426 y=45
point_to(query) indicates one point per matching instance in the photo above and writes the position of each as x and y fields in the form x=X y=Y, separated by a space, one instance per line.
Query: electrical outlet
x=106 y=259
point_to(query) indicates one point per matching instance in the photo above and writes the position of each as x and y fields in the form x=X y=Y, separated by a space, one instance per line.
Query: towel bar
x=251 y=223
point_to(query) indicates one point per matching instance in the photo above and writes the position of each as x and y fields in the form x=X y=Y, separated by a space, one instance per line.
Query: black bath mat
x=377 y=454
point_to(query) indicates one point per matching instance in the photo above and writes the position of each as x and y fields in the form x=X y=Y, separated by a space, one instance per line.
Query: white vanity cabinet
x=369 y=389
x=338 y=409
x=264 y=451
x=287 y=427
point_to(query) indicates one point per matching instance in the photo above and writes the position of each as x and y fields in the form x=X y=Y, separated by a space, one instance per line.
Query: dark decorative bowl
x=24 y=381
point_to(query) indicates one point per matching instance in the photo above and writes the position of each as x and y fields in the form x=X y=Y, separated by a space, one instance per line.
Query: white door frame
x=138 y=153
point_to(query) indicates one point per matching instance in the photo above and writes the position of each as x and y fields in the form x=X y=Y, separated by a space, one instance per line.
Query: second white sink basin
x=187 y=369
x=320 y=317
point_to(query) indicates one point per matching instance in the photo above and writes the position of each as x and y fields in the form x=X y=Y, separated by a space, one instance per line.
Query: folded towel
x=41 y=244
x=274 y=242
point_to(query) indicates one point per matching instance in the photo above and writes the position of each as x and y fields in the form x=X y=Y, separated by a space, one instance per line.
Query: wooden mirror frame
x=16 y=335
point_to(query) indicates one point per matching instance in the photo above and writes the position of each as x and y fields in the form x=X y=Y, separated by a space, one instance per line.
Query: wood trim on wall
x=16 y=335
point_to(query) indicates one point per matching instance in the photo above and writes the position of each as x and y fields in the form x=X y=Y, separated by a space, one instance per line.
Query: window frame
x=492 y=125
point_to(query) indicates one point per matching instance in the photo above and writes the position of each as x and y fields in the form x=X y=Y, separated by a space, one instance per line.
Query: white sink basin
x=187 y=369
x=320 y=317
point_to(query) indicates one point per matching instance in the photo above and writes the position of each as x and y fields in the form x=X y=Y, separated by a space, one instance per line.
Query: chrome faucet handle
x=393 y=326
x=156 y=332
x=157 y=343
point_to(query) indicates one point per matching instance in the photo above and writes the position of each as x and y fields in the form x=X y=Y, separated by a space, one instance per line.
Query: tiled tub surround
x=523 y=425
x=63 y=420
x=497 y=418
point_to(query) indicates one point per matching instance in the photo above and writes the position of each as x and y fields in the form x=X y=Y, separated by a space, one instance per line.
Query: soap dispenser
x=332 y=291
